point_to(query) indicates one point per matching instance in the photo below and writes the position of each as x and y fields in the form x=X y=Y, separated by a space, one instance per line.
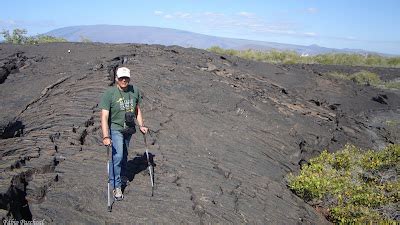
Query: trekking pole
x=149 y=166
x=109 y=203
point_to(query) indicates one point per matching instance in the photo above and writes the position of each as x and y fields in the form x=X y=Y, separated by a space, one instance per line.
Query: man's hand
x=107 y=141
x=144 y=129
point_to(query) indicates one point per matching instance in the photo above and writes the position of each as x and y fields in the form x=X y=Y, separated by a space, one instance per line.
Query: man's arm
x=140 y=121
x=104 y=127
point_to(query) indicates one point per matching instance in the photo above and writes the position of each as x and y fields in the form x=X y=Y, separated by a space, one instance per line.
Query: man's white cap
x=123 y=72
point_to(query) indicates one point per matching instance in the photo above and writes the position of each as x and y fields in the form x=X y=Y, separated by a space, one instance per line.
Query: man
x=119 y=105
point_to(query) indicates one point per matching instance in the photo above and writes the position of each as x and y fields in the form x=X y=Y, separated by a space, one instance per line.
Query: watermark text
x=23 y=222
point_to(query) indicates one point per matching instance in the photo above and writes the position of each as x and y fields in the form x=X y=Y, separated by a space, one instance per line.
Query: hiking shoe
x=118 y=194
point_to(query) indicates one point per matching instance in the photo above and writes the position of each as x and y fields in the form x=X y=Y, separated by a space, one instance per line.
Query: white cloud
x=351 y=38
x=179 y=15
x=240 y=23
x=8 y=22
x=25 y=23
x=310 y=34
x=182 y=15
x=312 y=10
x=250 y=26
x=246 y=14
x=213 y=14
x=33 y=27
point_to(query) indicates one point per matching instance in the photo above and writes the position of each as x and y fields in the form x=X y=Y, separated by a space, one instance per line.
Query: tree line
x=19 y=36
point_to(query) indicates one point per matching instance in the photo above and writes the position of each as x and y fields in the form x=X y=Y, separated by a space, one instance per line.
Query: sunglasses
x=124 y=78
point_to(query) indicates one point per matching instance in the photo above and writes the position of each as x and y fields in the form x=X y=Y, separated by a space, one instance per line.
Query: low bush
x=338 y=75
x=366 y=78
x=84 y=39
x=392 y=85
x=292 y=57
x=353 y=185
x=18 y=36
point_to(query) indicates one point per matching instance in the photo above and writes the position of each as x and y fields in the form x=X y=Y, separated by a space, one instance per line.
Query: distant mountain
x=166 y=36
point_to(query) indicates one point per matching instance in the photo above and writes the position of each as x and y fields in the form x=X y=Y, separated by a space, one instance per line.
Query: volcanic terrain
x=224 y=133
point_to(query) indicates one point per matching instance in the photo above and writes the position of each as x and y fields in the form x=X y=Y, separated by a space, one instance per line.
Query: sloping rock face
x=224 y=134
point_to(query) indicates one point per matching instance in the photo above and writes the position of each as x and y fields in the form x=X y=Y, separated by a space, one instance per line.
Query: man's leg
x=124 y=163
x=117 y=152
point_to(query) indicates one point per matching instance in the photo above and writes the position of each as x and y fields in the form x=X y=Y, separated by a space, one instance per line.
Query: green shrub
x=394 y=61
x=342 y=76
x=354 y=185
x=372 y=60
x=291 y=57
x=366 y=78
x=84 y=39
x=44 y=39
x=19 y=37
x=392 y=123
x=392 y=85
x=218 y=50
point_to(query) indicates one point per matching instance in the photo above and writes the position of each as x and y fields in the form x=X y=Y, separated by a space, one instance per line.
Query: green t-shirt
x=118 y=102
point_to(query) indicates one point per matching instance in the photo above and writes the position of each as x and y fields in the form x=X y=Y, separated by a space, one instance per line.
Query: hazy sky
x=369 y=24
